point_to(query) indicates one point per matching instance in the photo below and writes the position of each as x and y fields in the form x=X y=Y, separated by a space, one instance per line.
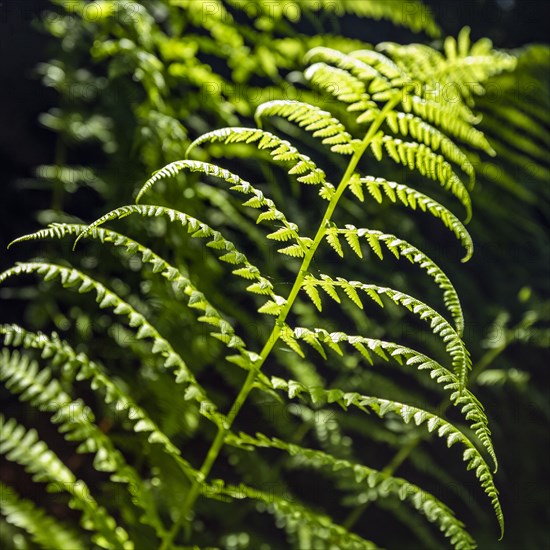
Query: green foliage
x=378 y=99
x=25 y=448
x=176 y=66
x=44 y=530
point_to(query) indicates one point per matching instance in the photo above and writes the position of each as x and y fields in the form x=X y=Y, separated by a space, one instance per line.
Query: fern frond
x=24 y=378
x=461 y=397
x=71 y=277
x=412 y=198
x=313 y=119
x=375 y=82
x=400 y=248
x=45 y=530
x=417 y=156
x=293 y=515
x=25 y=448
x=174 y=168
x=385 y=105
x=257 y=201
x=181 y=284
x=407 y=413
x=378 y=482
x=281 y=151
x=196 y=229
x=60 y=354
x=405 y=124
x=414 y=15
x=453 y=344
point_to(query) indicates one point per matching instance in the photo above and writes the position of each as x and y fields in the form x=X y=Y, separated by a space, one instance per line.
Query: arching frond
x=412 y=198
x=383 y=64
x=321 y=123
x=75 y=421
x=230 y=254
x=407 y=413
x=196 y=229
x=280 y=149
x=45 y=530
x=400 y=248
x=439 y=326
x=371 y=348
x=258 y=200
x=379 y=483
x=294 y=515
x=24 y=447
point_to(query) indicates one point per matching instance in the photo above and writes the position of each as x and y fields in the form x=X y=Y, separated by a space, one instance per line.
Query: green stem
x=219 y=440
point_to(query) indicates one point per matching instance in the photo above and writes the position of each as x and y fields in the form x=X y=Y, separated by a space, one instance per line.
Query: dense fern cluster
x=319 y=339
x=177 y=67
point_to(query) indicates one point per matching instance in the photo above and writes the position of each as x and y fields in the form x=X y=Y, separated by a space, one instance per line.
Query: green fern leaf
x=76 y=421
x=434 y=510
x=469 y=405
x=439 y=326
x=412 y=198
x=44 y=529
x=25 y=448
x=321 y=123
x=407 y=413
x=403 y=249
x=281 y=151
x=294 y=514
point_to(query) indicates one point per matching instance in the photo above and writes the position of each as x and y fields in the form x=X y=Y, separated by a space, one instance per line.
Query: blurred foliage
x=137 y=82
